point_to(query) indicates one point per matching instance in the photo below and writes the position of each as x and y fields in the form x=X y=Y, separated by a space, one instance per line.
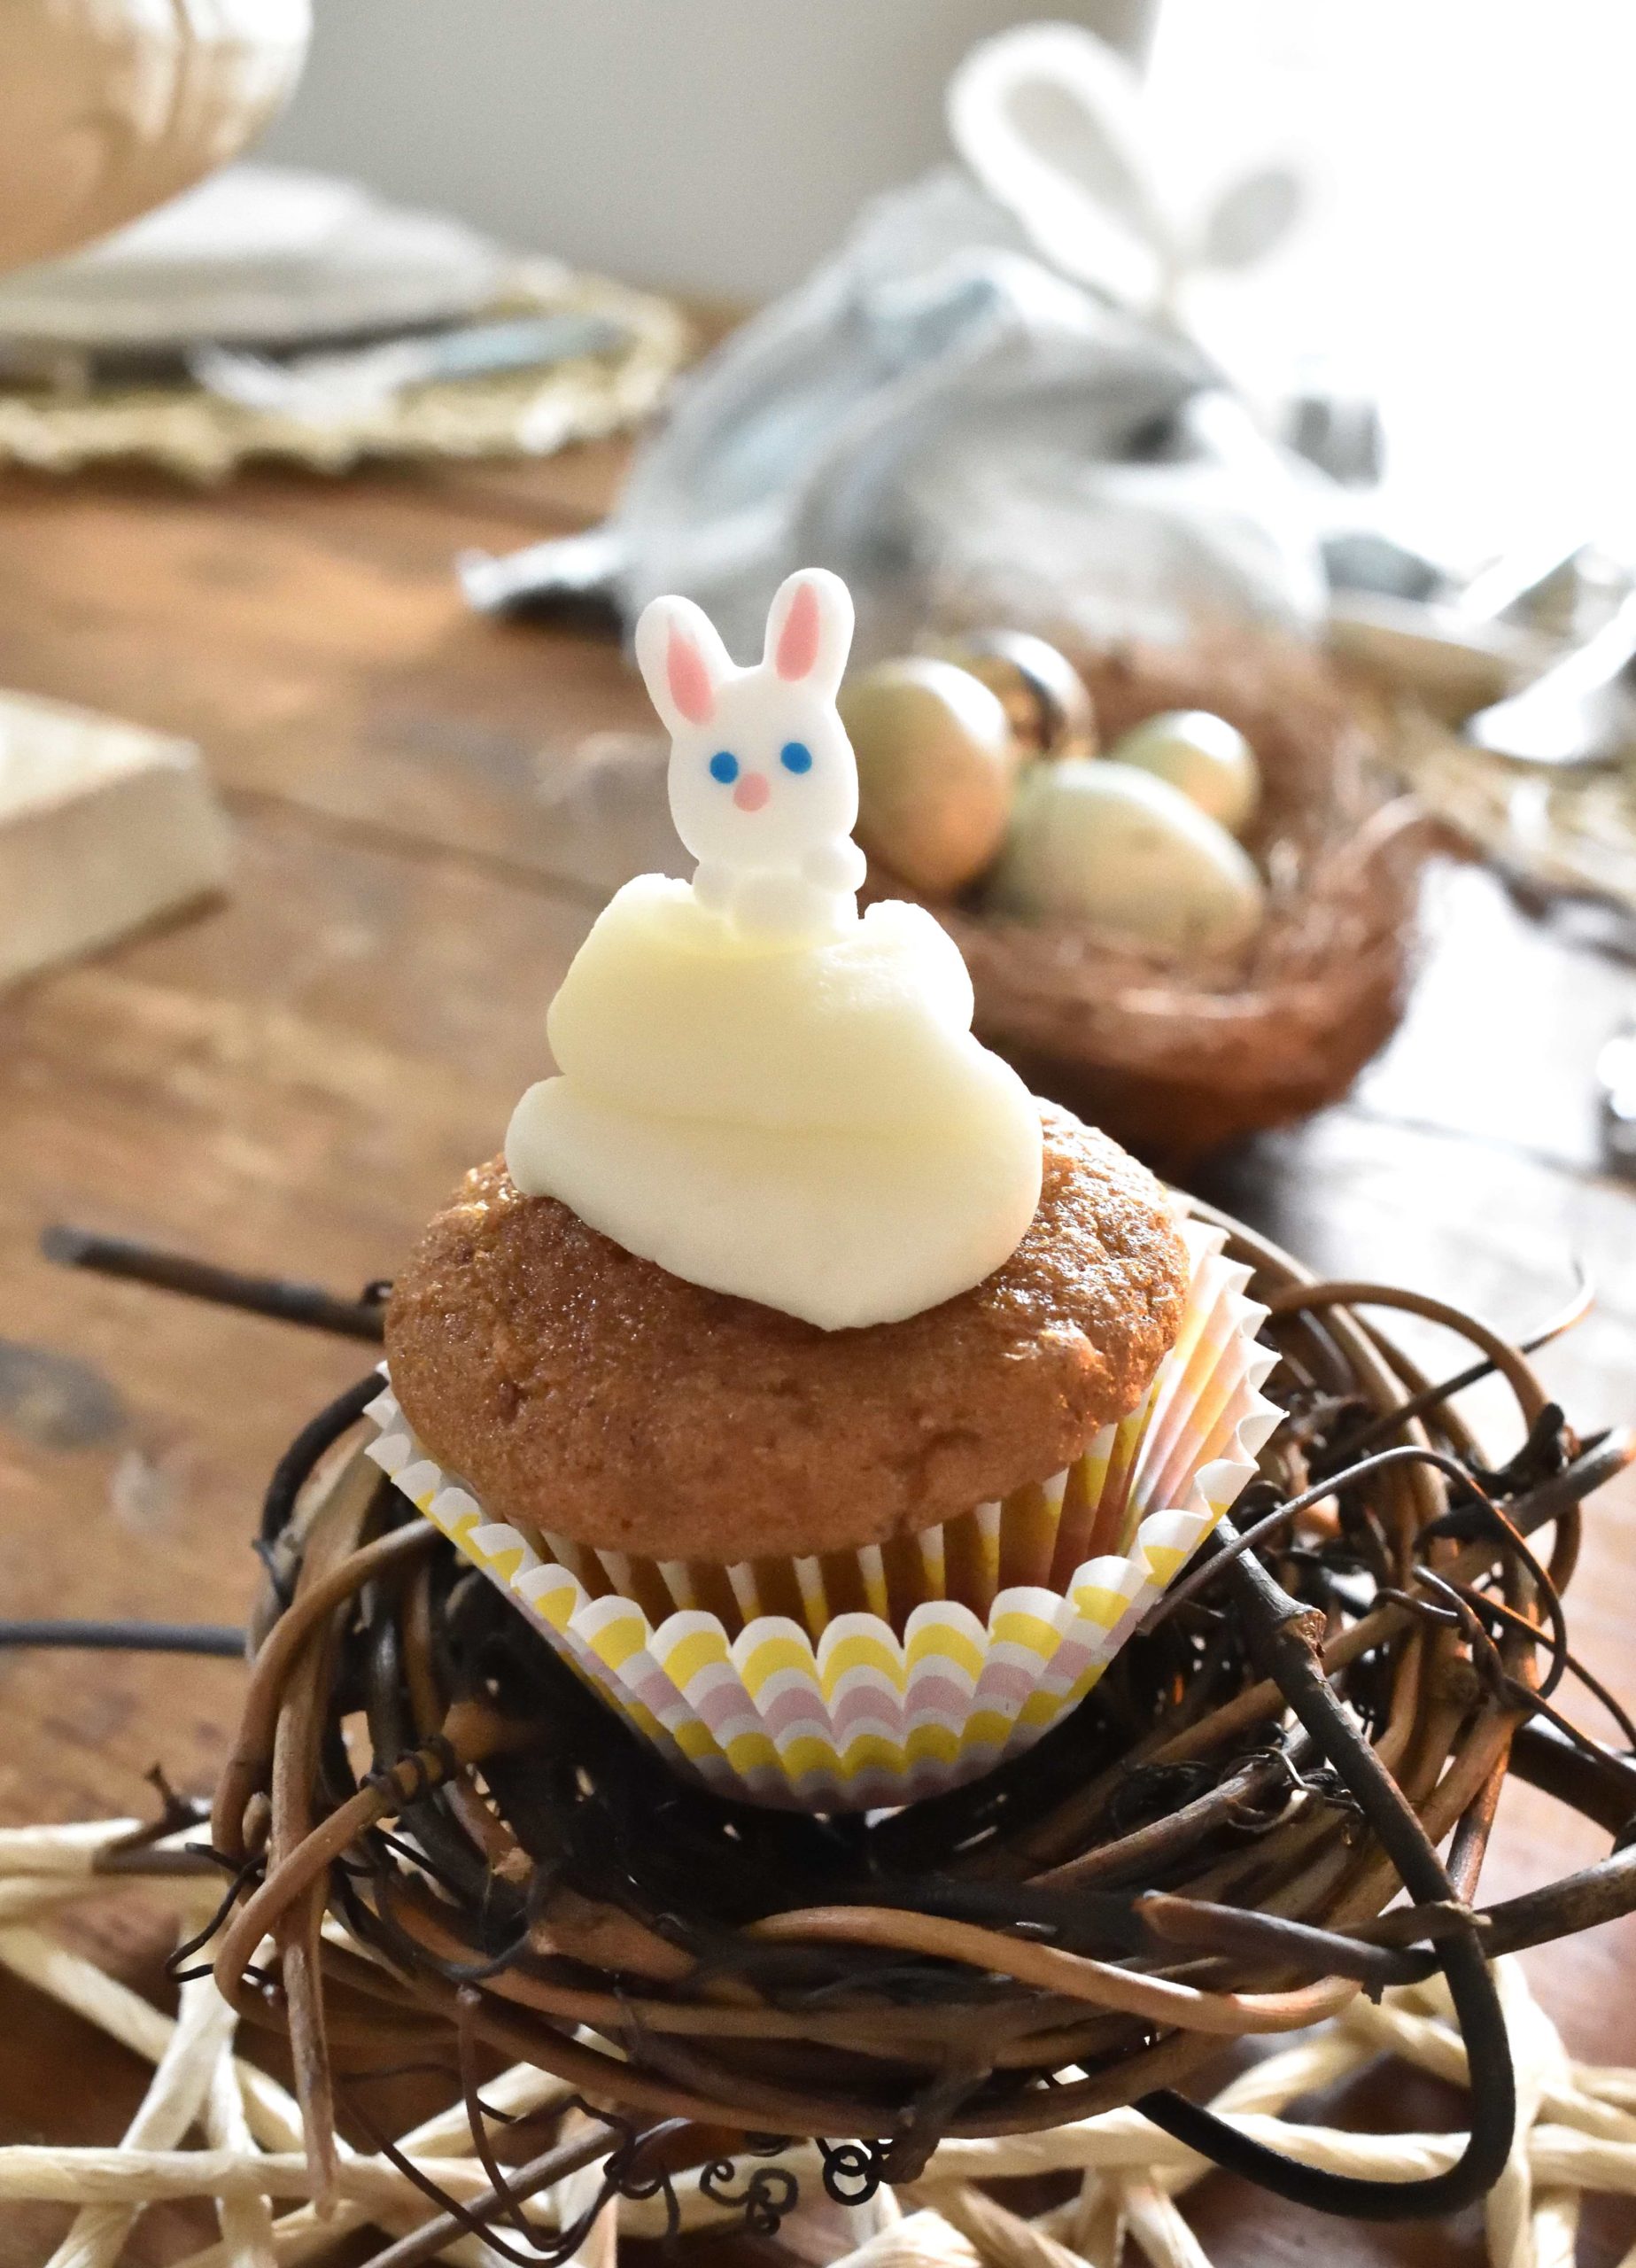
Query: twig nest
x=1081 y=1927
x=1045 y=699
x=936 y=770
x=1176 y=1055
x=1208 y=759
x=1111 y=845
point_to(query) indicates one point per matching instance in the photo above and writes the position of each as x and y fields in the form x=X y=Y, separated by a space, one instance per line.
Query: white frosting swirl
x=808 y=1124
x=758 y=1091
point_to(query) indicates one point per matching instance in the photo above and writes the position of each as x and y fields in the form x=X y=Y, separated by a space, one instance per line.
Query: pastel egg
x=1117 y=847
x=936 y=766
x=1208 y=759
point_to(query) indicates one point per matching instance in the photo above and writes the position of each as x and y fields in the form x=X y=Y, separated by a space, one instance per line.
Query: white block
x=103 y=827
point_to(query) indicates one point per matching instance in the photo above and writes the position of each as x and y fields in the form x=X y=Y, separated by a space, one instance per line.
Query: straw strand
x=1576 y=2135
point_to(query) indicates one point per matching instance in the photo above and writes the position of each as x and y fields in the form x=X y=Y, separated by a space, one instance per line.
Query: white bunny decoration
x=1061 y=131
x=762 y=781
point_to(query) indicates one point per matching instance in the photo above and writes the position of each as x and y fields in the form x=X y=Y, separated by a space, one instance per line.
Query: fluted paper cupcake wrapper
x=843 y=1713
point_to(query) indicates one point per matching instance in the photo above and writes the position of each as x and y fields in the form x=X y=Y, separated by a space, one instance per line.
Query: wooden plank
x=316 y=646
x=291 y=1083
x=104 y=828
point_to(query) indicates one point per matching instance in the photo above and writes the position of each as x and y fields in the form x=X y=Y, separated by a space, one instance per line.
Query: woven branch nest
x=1176 y=1060
x=443 y=1846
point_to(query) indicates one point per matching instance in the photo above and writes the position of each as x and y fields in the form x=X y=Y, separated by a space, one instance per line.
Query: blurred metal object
x=1615 y=1088
x=1515 y=581
x=1451 y=663
x=319 y=387
x=1459 y=651
x=577 y=577
x=1564 y=836
x=1368 y=559
x=1043 y=696
x=1341 y=433
x=1580 y=712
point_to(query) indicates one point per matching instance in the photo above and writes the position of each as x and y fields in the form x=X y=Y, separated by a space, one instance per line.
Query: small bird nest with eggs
x=1178 y=1043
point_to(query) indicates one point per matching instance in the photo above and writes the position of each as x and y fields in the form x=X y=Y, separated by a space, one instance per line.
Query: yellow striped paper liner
x=868 y=1706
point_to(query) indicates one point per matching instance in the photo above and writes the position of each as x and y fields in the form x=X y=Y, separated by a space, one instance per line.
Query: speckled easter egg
x=1116 y=846
x=1203 y=756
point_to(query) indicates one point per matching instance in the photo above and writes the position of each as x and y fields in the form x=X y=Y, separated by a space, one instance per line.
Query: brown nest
x=1315 y=1722
x=1177 y=1060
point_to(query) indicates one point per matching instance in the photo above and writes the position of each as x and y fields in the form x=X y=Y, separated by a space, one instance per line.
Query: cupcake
x=835 y=1406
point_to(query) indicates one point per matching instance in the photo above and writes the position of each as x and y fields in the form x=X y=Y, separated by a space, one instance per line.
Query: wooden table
x=293 y=1081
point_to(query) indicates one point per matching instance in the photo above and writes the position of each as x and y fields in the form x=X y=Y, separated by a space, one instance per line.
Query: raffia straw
x=247 y=2223
x=67 y=1849
x=78 y=1984
x=174 y=2098
x=266 y=2116
x=1575 y=2135
x=920 y=2239
x=1094 y=2224
x=998 y=2235
x=440 y=2142
x=876 y=2214
x=1157 y=2224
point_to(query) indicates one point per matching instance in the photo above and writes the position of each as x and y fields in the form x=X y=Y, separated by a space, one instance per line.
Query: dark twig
x=295 y=1467
x=129 y=1638
x=274 y=1296
x=1432 y=1397
x=1267 y=1525
x=1495 y=1610
x=1269 y=1938
x=1284 y=1636
x=476 y=2217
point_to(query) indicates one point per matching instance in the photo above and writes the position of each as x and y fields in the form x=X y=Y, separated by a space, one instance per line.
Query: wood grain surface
x=292 y=1080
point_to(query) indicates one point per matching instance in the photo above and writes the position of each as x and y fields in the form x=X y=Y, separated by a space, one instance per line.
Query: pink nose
x=752 y=791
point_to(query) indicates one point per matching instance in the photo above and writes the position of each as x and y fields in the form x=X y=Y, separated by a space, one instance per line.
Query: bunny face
x=764 y=781
x=762 y=773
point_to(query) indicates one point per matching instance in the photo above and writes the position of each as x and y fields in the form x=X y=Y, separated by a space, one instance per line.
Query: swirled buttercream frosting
x=756 y=1089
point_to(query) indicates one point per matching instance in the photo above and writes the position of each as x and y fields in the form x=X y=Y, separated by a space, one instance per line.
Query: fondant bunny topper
x=762 y=781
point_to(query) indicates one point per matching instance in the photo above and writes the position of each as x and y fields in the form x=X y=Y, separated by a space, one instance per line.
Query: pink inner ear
x=798 y=641
x=690 y=681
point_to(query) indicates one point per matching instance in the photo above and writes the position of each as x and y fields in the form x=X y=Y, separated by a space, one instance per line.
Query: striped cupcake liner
x=867 y=1680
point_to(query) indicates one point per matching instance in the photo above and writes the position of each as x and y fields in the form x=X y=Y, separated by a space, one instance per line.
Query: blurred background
x=1218 y=408
x=718 y=148
x=1468 y=169
x=1221 y=412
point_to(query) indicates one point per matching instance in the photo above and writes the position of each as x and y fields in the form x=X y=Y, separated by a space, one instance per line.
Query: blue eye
x=725 y=767
x=796 y=755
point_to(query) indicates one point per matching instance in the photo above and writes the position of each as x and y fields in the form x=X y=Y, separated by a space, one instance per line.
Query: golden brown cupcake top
x=578 y=1388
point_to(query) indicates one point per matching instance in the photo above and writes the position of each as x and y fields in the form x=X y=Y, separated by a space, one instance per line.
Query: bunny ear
x=1053 y=123
x=682 y=660
x=810 y=630
x=1252 y=217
